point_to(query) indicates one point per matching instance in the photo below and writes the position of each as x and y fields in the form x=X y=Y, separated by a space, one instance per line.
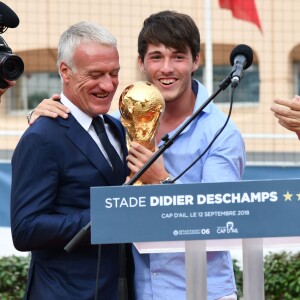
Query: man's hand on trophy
x=138 y=155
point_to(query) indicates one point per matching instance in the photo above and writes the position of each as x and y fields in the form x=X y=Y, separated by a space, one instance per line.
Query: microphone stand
x=168 y=142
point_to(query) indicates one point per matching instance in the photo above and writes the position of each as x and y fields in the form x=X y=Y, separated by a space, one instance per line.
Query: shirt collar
x=83 y=119
x=201 y=96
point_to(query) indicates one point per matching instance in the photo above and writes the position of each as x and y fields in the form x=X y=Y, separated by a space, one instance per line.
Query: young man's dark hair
x=174 y=30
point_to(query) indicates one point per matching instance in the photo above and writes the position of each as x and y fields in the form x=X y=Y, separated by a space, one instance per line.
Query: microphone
x=241 y=59
x=8 y=17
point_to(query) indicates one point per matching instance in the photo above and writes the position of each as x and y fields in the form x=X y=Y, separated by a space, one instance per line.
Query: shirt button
x=154 y=274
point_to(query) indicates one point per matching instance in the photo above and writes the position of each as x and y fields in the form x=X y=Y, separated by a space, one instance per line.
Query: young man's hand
x=138 y=155
x=50 y=108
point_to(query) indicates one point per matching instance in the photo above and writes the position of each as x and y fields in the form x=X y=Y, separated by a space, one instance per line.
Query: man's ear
x=196 y=63
x=64 y=71
x=141 y=64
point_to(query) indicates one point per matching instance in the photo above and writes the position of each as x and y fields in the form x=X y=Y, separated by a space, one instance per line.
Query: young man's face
x=170 y=70
x=92 y=85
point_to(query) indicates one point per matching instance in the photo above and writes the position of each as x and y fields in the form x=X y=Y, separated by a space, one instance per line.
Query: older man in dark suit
x=55 y=164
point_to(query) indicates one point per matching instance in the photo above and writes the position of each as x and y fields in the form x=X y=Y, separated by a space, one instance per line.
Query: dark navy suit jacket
x=53 y=167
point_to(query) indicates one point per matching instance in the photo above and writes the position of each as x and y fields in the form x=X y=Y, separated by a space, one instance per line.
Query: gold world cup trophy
x=141 y=106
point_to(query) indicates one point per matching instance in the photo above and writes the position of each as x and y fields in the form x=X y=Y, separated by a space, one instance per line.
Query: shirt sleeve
x=226 y=159
x=36 y=221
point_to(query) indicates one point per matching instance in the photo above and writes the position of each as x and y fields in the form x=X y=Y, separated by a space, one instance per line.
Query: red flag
x=242 y=9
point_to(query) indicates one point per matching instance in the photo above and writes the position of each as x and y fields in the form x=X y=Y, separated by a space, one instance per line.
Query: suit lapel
x=87 y=146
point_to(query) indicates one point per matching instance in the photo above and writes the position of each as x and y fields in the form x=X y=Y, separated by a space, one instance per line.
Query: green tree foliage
x=281 y=271
x=282 y=276
x=13 y=276
x=238 y=274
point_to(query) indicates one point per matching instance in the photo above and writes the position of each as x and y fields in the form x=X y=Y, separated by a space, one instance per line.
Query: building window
x=247 y=90
x=32 y=88
x=297 y=78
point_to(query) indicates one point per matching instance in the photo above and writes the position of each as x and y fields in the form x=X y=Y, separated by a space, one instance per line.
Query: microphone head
x=8 y=17
x=242 y=50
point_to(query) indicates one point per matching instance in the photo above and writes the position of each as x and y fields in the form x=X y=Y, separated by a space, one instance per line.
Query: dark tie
x=114 y=158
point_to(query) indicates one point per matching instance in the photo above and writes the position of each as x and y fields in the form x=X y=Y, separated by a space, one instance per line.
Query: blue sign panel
x=246 y=209
x=5 y=186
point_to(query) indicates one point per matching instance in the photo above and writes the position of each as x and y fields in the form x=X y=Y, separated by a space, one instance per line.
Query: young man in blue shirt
x=169 y=54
